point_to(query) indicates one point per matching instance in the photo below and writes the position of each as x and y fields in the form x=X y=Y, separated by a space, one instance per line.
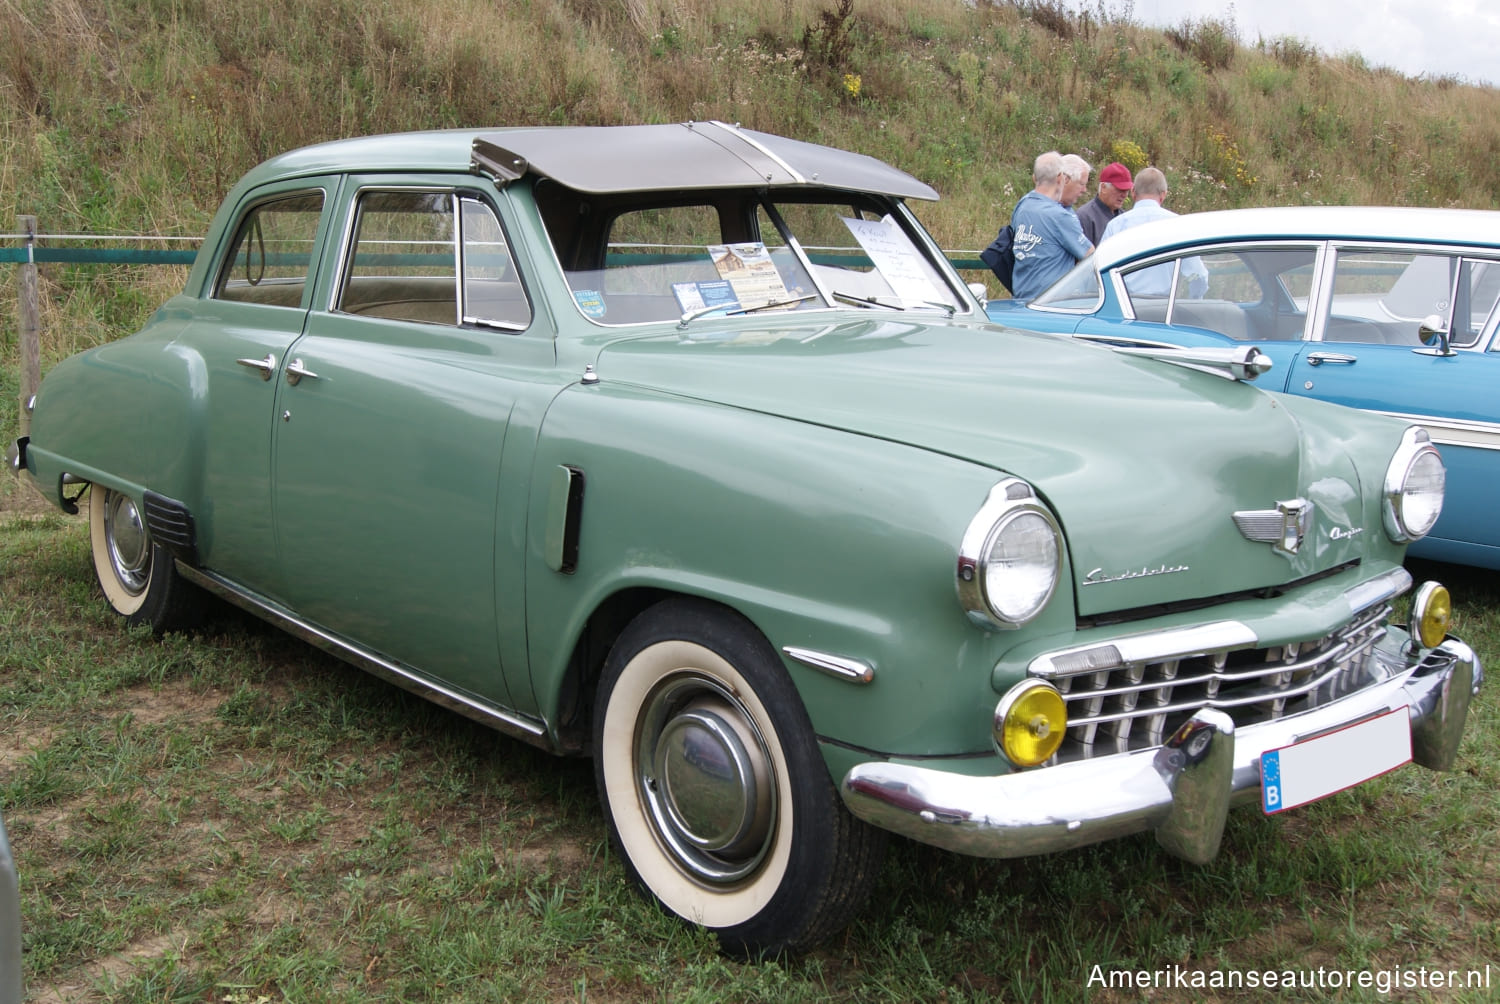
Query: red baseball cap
x=1117 y=174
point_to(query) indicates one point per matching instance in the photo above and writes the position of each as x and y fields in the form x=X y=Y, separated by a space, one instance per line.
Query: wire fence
x=27 y=248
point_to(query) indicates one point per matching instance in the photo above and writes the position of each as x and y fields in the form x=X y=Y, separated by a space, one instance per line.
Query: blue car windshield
x=1079 y=291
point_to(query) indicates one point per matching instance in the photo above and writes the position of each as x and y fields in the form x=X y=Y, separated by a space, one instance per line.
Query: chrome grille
x=1137 y=705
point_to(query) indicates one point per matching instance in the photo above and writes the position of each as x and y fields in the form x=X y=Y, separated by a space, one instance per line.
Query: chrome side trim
x=1454 y=431
x=836 y=666
x=512 y=723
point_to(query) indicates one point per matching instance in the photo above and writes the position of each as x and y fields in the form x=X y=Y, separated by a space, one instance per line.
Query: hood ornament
x=1284 y=528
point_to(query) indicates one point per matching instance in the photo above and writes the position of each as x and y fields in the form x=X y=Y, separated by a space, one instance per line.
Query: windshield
x=1078 y=290
x=631 y=260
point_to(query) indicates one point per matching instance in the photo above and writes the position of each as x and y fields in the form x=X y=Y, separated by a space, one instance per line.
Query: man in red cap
x=1114 y=185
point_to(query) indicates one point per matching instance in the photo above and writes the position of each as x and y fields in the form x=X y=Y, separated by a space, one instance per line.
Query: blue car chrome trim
x=1453 y=431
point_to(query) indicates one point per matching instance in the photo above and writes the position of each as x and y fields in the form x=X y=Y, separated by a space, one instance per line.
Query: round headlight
x=1431 y=614
x=1414 y=487
x=1010 y=558
x=1030 y=722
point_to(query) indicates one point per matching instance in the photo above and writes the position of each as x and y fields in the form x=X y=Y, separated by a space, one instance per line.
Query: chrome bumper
x=15 y=455
x=1182 y=790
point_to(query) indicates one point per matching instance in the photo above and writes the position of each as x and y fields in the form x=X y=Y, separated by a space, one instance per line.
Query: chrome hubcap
x=129 y=543
x=706 y=778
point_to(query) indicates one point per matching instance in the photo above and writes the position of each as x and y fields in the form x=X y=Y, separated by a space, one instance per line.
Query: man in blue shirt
x=1049 y=239
x=1150 y=191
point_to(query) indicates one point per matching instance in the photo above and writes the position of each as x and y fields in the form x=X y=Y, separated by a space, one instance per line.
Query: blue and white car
x=1386 y=309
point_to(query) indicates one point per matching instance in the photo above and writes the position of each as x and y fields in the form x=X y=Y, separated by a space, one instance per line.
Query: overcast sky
x=1433 y=37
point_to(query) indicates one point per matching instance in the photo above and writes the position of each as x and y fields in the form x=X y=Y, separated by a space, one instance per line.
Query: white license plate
x=1316 y=768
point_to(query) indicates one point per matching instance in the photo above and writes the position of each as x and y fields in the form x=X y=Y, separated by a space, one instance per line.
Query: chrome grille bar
x=1136 y=704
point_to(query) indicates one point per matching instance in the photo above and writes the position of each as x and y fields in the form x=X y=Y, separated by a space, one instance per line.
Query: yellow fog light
x=1030 y=722
x=1431 y=614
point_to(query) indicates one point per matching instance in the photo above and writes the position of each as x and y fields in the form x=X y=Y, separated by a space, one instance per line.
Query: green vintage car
x=684 y=448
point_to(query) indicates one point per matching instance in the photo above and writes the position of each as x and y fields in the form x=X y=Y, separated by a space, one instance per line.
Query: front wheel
x=716 y=794
x=137 y=575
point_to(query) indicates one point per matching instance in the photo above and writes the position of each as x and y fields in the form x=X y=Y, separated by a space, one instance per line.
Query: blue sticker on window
x=590 y=302
x=1270 y=780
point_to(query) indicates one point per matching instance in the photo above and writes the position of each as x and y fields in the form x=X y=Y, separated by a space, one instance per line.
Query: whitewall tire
x=716 y=794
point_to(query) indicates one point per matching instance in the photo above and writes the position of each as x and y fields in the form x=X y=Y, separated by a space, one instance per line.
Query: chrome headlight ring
x=1010 y=558
x=1415 y=481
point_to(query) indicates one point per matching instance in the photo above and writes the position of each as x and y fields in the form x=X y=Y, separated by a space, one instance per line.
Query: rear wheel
x=716 y=794
x=138 y=577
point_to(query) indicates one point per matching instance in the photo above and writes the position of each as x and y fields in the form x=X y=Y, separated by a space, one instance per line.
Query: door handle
x=295 y=371
x=1319 y=358
x=266 y=366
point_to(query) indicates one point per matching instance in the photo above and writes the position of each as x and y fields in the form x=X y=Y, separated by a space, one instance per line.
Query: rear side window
x=1385 y=297
x=271 y=256
x=434 y=258
x=1246 y=294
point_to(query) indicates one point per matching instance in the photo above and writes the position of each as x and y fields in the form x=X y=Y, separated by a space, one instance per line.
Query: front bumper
x=1182 y=790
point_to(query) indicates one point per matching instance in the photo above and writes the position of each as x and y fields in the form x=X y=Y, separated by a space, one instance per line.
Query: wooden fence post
x=29 y=317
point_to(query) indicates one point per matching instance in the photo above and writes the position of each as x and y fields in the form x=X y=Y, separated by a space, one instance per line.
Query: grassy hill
x=137 y=116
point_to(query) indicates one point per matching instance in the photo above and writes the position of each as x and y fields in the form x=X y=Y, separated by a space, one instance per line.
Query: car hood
x=1144 y=463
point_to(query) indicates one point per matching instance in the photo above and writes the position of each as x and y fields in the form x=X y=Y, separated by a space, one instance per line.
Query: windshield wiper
x=693 y=315
x=865 y=301
x=772 y=305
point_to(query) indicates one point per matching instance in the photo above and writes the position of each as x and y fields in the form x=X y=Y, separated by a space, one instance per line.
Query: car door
x=255 y=307
x=1368 y=353
x=392 y=417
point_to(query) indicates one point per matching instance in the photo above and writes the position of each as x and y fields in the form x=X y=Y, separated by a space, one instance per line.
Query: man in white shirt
x=1150 y=189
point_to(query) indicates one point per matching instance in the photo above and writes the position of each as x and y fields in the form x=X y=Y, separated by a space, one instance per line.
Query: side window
x=1382 y=297
x=493 y=295
x=1246 y=295
x=271 y=256
x=404 y=260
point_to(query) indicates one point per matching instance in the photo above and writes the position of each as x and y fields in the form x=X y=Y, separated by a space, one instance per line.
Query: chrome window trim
x=1318 y=246
x=351 y=219
x=225 y=252
x=461 y=246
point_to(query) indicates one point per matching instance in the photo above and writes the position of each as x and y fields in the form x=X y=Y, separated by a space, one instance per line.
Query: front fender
x=826 y=540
